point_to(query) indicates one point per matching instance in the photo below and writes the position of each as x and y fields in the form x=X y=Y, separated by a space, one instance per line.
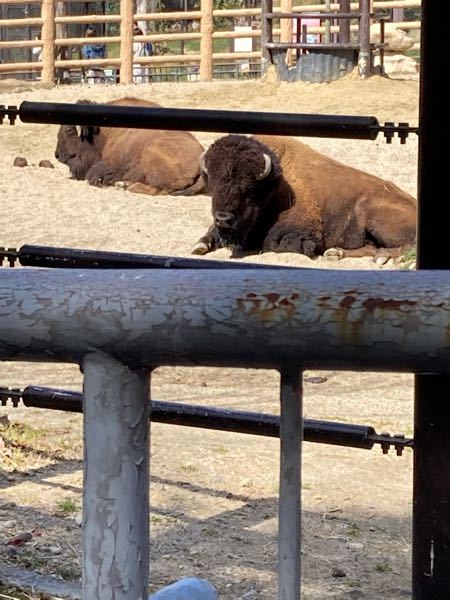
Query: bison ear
x=88 y=132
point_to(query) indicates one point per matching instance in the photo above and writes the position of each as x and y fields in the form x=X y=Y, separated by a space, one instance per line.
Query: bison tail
x=199 y=187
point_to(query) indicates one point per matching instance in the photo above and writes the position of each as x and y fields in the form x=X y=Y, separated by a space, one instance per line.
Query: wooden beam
x=48 y=39
x=206 y=41
x=126 y=41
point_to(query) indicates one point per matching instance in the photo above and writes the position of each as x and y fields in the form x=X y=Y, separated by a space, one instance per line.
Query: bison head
x=242 y=174
x=67 y=143
x=75 y=147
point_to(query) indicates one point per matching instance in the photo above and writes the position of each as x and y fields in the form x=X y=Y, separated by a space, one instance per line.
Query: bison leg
x=339 y=253
x=208 y=242
x=102 y=174
x=138 y=187
x=198 y=187
x=142 y=188
x=380 y=255
x=286 y=237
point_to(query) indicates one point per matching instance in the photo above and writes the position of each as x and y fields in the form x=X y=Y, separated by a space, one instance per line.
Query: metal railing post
x=116 y=480
x=289 y=510
x=431 y=491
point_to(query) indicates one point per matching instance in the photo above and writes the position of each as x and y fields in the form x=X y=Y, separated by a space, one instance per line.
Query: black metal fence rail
x=51 y=257
x=225 y=121
x=221 y=419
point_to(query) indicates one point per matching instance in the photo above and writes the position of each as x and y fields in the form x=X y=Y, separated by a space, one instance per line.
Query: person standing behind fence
x=90 y=51
x=140 y=73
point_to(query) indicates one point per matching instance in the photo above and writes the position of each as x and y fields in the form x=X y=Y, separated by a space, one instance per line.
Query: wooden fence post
x=126 y=41
x=286 y=29
x=206 y=41
x=48 y=41
x=327 y=36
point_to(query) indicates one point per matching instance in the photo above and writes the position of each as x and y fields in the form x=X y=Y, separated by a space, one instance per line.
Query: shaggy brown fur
x=307 y=202
x=147 y=161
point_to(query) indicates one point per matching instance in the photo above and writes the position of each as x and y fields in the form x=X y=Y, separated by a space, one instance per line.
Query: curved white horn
x=202 y=162
x=267 y=167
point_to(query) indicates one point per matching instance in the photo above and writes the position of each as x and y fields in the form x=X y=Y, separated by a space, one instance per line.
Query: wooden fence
x=51 y=23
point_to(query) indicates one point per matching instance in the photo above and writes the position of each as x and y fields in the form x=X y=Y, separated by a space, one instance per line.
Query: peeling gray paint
x=393 y=321
x=116 y=480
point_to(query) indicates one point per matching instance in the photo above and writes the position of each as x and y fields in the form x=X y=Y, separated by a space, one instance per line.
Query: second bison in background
x=276 y=194
x=146 y=161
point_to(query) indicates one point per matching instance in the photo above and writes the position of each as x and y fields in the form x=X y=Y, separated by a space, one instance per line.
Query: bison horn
x=267 y=167
x=202 y=162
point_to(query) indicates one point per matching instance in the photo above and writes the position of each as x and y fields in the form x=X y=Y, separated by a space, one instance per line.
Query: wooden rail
x=206 y=34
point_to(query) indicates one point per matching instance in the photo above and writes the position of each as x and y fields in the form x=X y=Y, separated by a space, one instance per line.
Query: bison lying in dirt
x=276 y=194
x=146 y=161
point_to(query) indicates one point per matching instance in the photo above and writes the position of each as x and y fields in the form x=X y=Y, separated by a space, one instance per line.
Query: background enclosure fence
x=62 y=25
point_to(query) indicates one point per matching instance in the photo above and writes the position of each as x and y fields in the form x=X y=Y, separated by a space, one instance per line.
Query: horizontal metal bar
x=70 y=258
x=312 y=15
x=358 y=320
x=235 y=421
x=310 y=46
x=226 y=121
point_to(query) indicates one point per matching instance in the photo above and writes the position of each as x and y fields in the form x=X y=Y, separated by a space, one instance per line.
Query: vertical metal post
x=431 y=508
x=344 y=24
x=116 y=480
x=289 y=536
x=364 y=39
x=266 y=34
x=397 y=15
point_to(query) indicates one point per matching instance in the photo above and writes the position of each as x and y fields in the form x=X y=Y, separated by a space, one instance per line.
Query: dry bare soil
x=213 y=494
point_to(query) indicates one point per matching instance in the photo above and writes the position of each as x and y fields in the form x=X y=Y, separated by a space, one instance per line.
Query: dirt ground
x=213 y=494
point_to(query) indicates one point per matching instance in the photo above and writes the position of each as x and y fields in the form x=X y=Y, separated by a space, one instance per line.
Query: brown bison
x=146 y=161
x=276 y=194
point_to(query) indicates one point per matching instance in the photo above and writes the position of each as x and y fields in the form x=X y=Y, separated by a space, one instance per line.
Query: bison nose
x=223 y=219
x=56 y=155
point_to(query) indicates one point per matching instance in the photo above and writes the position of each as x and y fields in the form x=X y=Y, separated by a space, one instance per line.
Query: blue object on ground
x=189 y=588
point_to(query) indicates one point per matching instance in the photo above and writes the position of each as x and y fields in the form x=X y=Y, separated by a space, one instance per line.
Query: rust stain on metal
x=347 y=301
x=349 y=330
x=348 y=325
x=372 y=303
x=268 y=307
x=272 y=297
